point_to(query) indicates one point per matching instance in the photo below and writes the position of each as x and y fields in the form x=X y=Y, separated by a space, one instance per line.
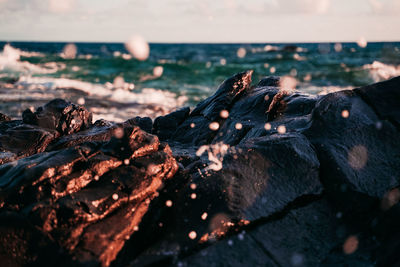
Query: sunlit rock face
x=38 y=129
x=85 y=194
x=252 y=176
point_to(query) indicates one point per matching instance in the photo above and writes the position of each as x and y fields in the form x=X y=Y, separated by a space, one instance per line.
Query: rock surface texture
x=252 y=176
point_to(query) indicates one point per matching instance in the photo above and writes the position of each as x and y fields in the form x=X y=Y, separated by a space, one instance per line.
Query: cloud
x=279 y=7
x=200 y=20
x=61 y=6
x=304 y=6
x=385 y=7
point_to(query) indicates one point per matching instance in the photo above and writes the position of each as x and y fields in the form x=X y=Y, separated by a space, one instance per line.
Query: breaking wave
x=380 y=71
x=10 y=61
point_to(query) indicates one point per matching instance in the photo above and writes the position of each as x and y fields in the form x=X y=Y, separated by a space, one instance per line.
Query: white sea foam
x=120 y=115
x=146 y=96
x=149 y=96
x=147 y=102
x=57 y=83
x=323 y=90
x=9 y=50
x=380 y=71
x=10 y=61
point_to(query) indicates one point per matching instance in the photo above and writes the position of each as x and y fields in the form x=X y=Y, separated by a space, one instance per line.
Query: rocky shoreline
x=253 y=176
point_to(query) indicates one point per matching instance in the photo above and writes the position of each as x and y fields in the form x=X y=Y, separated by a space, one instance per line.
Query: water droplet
x=214 y=126
x=69 y=51
x=288 y=83
x=362 y=42
x=307 y=78
x=241 y=52
x=267 y=126
x=350 y=245
x=338 y=47
x=281 y=129
x=138 y=47
x=119 y=133
x=192 y=235
x=297 y=259
x=81 y=101
x=241 y=236
x=358 y=157
x=238 y=126
x=158 y=71
x=390 y=199
x=224 y=114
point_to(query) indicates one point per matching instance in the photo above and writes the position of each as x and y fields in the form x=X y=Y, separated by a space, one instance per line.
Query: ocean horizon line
x=198 y=43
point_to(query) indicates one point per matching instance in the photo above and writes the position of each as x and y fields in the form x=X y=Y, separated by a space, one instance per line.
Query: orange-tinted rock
x=89 y=197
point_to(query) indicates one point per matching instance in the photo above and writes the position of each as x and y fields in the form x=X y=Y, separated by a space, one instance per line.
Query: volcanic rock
x=252 y=176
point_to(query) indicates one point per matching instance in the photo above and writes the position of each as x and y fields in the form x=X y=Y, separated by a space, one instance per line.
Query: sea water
x=115 y=86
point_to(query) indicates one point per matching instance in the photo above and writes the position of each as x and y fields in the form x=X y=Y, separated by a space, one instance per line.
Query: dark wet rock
x=224 y=97
x=146 y=124
x=59 y=115
x=4 y=117
x=90 y=197
x=269 y=81
x=37 y=130
x=24 y=140
x=295 y=132
x=282 y=170
x=291 y=238
x=208 y=111
x=101 y=131
x=21 y=244
x=166 y=125
x=359 y=152
x=386 y=105
x=253 y=176
x=5 y=125
x=290 y=48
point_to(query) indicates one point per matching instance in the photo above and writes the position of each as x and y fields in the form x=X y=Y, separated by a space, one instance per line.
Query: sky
x=205 y=21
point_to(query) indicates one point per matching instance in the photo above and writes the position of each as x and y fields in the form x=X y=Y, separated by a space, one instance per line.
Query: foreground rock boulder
x=86 y=199
x=253 y=176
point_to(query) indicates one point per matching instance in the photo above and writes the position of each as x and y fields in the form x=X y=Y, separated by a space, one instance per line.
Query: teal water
x=195 y=70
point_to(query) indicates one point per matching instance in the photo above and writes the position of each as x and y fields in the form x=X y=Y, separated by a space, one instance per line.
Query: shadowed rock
x=208 y=111
x=59 y=115
x=37 y=130
x=4 y=117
